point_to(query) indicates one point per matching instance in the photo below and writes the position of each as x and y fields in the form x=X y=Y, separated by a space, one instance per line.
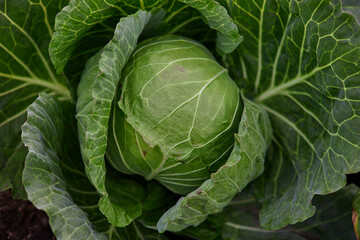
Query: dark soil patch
x=20 y=220
x=353 y=178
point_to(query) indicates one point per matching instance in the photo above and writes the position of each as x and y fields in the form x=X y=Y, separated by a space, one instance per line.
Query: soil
x=20 y=220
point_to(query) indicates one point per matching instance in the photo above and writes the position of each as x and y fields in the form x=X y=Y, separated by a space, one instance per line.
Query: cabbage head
x=176 y=116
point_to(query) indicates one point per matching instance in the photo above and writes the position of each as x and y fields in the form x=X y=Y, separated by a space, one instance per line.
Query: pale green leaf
x=246 y=162
x=96 y=92
x=187 y=129
x=126 y=149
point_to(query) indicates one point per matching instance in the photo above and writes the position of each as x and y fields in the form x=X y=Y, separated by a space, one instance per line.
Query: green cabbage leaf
x=301 y=61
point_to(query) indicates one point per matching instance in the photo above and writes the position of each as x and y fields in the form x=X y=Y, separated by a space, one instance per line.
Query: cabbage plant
x=169 y=100
x=183 y=119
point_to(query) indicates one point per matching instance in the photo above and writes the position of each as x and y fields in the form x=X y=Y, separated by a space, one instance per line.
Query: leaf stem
x=56 y=87
x=270 y=92
x=259 y=70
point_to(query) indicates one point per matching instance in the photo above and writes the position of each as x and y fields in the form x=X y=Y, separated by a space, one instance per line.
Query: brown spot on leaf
x=180 y=68
x=144 y=153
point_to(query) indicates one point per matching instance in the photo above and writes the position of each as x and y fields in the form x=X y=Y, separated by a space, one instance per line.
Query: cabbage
x=182 y=110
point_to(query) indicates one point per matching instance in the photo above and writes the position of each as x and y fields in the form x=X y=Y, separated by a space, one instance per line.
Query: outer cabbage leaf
x=56 y=183
x=72 y=24
x=239 y=220
x=25 y=71
x=50 y=125
x=185 y=21
x=193 y=18
x=353 y=7
x=76 y=19
x=158 y=200
x=93 y=41
x=217 y=17
x=302 y=59
x=96 y=92
x=246 y=162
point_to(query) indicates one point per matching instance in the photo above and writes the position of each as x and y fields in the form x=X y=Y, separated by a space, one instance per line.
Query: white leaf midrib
x=260 y=61
x=56 y=87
